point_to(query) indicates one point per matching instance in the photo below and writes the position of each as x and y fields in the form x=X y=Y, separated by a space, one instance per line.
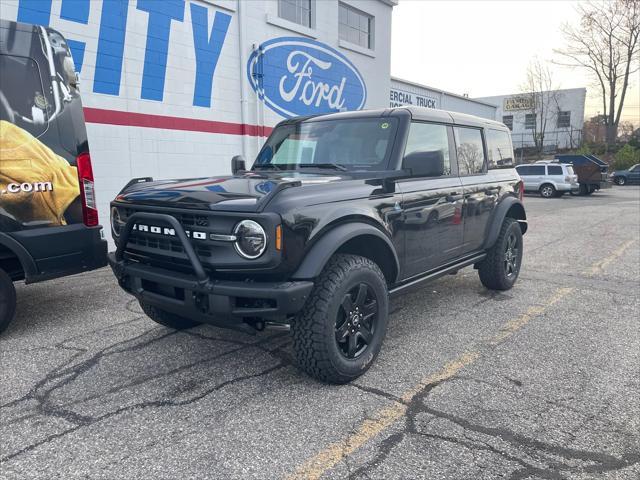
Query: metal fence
x=554 y=140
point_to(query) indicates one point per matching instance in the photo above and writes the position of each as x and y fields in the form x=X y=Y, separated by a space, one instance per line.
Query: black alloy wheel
x=356 y=322
x=511 y=255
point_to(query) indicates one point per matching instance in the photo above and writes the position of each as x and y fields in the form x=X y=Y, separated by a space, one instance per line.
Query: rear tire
x=167 y=319
x=620 y=181
x=548 y=191
x=7 y=300
x=339 y=333
x=501 y=267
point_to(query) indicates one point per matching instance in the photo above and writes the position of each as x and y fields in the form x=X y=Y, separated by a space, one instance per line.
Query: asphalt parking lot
x=542 y=381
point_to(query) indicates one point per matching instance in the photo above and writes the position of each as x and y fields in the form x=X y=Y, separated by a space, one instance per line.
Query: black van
x=48 y=215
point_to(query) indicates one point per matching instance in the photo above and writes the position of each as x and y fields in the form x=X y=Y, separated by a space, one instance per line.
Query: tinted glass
x=27 y=103
x=470 y=150
x=537 y=170
x=363 y=144
x=499 y=148
x=554 y=170
x=523 y=170
x=429 y=139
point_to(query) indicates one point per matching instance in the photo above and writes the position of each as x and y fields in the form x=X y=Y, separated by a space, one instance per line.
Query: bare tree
x=540 y=95
x=606 y=43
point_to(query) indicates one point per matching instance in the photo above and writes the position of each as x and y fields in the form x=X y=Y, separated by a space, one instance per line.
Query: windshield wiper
x=334 y=166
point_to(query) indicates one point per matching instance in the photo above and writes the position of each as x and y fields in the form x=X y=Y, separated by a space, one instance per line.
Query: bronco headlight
x=116 y=222
x=251 y=240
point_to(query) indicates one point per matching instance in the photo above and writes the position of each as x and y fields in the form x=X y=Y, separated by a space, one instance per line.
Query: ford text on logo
x=297 y=76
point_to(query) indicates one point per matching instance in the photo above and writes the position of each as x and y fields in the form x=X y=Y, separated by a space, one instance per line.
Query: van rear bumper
x=53 y=252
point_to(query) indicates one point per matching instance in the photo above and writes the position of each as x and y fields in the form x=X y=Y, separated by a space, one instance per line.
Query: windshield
x=351 y=144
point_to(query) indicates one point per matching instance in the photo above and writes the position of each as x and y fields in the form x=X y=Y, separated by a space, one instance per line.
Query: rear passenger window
x=471 y=159
x=499 y=148
x=536 y=170
x=554 y=170
x=431 y=140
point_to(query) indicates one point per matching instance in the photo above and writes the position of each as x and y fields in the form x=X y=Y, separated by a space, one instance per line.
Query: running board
x=413 y=281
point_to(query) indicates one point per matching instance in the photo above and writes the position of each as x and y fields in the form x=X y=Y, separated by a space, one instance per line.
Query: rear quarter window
x=499 y=148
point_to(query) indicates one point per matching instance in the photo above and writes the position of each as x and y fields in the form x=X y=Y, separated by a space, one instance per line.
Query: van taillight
x=87 y=190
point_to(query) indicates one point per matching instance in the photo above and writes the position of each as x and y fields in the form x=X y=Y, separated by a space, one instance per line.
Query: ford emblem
x=296 y=76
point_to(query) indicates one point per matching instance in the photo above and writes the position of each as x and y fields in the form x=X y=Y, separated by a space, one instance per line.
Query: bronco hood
x=246 y=192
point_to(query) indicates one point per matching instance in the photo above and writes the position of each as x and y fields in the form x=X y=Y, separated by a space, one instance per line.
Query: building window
x=564 y=119
x=355 y=26
x=530 y=121
x=296 y=11
x=508 y=121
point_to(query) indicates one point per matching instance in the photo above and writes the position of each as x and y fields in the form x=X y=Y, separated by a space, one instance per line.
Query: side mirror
x=238 y=164
x=424 y=164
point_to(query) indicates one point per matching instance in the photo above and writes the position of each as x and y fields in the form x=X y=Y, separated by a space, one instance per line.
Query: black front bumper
x=211 y=301
x=197 y=296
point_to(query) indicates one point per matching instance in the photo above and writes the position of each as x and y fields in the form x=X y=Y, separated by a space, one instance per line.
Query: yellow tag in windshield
x=384 y=126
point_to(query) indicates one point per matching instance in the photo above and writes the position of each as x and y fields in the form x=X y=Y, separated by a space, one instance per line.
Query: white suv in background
x=550 y=179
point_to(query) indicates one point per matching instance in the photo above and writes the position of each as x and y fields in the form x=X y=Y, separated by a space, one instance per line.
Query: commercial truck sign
x=297 y=76
x=398 y=98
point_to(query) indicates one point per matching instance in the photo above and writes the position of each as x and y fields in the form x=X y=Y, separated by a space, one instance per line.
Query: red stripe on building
x=132 y=119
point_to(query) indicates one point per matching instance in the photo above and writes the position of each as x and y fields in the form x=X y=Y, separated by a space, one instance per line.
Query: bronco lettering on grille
x=170 y=232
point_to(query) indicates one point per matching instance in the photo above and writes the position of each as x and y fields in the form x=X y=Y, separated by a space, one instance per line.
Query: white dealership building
x=562 y=117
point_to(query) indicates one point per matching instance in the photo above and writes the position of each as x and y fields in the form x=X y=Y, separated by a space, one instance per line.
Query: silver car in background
x=550 y=179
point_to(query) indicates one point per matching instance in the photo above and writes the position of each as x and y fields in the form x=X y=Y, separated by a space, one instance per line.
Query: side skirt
x=433 y=274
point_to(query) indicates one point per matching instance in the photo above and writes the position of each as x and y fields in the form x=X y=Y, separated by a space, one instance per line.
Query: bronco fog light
x=251 y=241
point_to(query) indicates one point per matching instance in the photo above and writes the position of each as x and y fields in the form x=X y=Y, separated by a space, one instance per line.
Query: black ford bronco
x=338 y=212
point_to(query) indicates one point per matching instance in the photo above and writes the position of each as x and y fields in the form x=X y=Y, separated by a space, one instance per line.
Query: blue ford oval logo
x=297 y=76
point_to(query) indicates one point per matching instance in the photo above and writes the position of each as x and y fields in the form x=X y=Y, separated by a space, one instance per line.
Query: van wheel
x=500 y=269
x=339 y=332
x=167 y=319
x=7 y=300
x=547 y=190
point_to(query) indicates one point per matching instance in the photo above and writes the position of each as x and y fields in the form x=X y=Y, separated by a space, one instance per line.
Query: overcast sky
x=483 y=47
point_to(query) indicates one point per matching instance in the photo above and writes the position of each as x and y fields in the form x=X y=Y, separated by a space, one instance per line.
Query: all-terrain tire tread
x=491 y=269
x=309 y=341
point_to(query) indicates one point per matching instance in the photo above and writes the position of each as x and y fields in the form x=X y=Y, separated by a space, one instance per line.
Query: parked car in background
x=48 y=218
x=591 y=171
x=548 y=178
x=338 y=212
x=625 y=177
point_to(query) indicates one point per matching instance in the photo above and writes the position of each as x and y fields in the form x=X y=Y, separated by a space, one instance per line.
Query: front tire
x=167 y=319
x=620 y=181
x=7 y=300
x=339 y=333
x=500 y=269
x=547 y=191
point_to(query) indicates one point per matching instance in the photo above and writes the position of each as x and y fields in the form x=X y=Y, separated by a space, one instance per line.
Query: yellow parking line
x=329 y=457
x=598 y=267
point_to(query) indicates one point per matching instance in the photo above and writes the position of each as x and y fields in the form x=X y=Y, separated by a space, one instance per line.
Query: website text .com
x=27 y=187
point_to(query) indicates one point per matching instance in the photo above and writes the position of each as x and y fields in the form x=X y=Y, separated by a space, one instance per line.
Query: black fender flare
x=24 y=257
x=324 y=248
x=500 y=214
